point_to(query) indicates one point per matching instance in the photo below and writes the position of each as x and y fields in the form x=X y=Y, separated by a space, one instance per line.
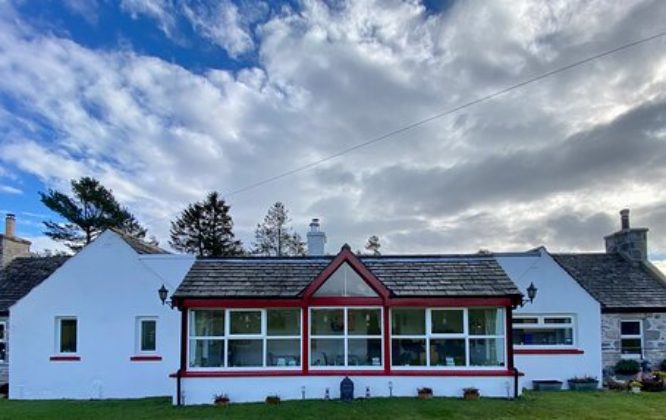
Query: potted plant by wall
x=627 y=368
x=585 y=383
x=652 y=383
x=273 y=400
x=470 y=393
x=221 y=400
x=635 y=387
x=547 y=385
x=424 y=393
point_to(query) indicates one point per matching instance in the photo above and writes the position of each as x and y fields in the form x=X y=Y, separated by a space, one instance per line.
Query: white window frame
x=541 y=324
x=58 y=336
x=139 y=334
x=632 y=337
x=438 y=336
x=3 y=340
x=262 y=336
x=345 y=336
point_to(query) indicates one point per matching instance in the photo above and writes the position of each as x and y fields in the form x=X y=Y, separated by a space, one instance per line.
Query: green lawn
x=541 y=405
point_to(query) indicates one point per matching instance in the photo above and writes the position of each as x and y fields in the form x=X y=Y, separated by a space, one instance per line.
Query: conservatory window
x=543 y=330
x=245 y=338
x=345 y=282
x=346 y=337
x=456 y=337
x=631 y=339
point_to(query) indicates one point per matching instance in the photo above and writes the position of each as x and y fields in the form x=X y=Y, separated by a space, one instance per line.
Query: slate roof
x=617 y=283
x=140 y=246
x=404 y=276
x=20 y=276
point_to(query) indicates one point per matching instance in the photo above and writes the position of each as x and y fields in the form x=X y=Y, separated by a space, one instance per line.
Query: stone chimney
x=631 y=243
x=316 y=239
x=10 y=245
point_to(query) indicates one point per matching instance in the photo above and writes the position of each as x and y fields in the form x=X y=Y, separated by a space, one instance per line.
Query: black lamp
x=531 y=292
x=164 y=293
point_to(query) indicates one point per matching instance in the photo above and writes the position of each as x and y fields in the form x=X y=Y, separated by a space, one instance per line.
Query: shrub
x=627 y=367
x=662 y=367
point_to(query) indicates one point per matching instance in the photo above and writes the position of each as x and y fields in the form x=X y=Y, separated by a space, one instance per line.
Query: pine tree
x=90 y=209
x=373 y=245
x=205 y=228
x=274 y=237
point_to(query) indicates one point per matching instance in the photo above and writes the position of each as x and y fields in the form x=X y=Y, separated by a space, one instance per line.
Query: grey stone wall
x=4 y=366
x=654 y=337
x=11 y=248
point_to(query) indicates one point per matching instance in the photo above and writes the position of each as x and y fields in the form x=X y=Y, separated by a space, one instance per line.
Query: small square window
x=147 y=335
x=66 y=335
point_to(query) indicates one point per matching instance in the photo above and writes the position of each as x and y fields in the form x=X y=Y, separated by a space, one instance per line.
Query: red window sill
x=146 y=358
x=219 y=374
x=65 y=358
x=547 y=351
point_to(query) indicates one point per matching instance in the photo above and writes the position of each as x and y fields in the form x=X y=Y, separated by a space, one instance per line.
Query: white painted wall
x=201 y=390
x=558 y=293
x=106 y=286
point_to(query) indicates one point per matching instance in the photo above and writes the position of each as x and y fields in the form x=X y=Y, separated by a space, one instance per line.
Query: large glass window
x=543 y=330
x=3 y=342
x=66 y=335
x=346 y=337
x=454 y=337
x=631 y=339
x=345 y=282
x=250 y=338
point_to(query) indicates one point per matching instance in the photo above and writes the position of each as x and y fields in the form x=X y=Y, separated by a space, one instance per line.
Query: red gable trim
x=450 y=301
x=345 y=255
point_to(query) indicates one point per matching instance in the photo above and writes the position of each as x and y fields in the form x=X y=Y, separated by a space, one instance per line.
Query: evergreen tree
x=90 y=209
x=373 y=245
x=274 y=237
x=205 y=228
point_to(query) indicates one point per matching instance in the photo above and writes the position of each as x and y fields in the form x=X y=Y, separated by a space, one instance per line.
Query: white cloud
x=8 y=189
x=513 y=173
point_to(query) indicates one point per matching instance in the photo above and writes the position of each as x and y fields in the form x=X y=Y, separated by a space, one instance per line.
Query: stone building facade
x=653 y=332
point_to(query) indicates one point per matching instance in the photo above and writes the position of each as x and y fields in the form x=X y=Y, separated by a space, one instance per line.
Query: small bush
x=627 y=367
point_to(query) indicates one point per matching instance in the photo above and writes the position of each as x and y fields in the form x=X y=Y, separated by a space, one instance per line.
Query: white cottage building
x=95 y=328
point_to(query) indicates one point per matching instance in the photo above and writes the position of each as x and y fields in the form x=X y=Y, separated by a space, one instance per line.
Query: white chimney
x=316 y=239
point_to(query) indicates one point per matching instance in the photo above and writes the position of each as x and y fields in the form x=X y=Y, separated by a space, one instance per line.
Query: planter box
x=583 y=386
x=547 y=385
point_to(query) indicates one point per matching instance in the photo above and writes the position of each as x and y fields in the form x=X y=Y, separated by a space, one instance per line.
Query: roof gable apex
x=346 y=256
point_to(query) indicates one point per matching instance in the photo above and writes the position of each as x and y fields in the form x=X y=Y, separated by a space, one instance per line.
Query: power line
x=443 y=114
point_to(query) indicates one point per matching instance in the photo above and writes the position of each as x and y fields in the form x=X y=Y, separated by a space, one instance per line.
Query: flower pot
x=425 y=395
x=222 y=403
x=272 y=400
x=636 y=389
x=583 y=386
x=471 y=395
x=550 y=385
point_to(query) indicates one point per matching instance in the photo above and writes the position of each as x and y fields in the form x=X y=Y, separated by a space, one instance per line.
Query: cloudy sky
x=165 y=100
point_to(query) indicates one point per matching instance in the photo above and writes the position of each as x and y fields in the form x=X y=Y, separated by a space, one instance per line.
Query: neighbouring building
x=631 y=292
x=95 y=328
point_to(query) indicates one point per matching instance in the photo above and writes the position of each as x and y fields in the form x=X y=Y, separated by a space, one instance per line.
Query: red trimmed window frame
x=308 y=301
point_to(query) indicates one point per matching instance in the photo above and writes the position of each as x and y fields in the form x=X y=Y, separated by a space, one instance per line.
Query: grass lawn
x=533 y=405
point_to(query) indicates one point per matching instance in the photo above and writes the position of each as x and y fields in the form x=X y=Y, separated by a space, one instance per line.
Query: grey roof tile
x=23 y=274
x=614 y=281
x=471 y=275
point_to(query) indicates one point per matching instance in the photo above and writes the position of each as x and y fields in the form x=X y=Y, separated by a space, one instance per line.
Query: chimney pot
x=316 y=239
x=624 y=218
x=10 y=225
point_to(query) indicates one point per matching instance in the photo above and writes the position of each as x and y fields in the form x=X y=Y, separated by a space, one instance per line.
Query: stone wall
x=654 y=337
x=4 y=365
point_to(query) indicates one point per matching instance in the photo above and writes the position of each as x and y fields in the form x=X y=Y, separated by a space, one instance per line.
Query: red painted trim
x=305 y=353
x=183 y=339
x=345 y=301
x=146 y=358
x=508 y=336
x=345 y=255
x=65 y=358
x=272 y=373
x=452 y=302
x=241 y=303
x=548 y=351
x=387 y=342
